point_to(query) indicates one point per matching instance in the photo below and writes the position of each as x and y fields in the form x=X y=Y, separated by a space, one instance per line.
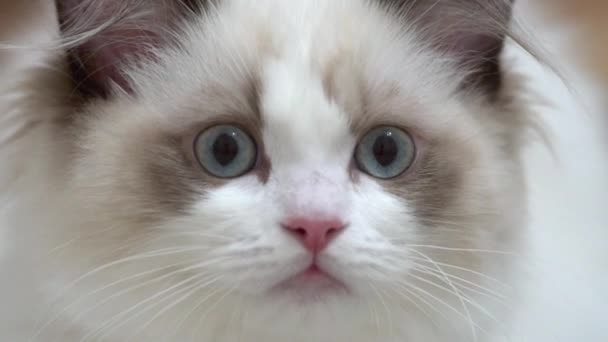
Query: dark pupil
x=385 y=149
x=225 y=149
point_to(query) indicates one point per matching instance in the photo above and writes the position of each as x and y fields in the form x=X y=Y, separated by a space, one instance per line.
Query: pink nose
x=314 y=234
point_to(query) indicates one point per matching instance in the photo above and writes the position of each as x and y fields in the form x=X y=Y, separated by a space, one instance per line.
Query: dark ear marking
x=470 y=32
x=105 y=36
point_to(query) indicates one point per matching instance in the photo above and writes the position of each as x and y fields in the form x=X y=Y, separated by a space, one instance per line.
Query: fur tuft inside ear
x=469 y=32
x=106 y=35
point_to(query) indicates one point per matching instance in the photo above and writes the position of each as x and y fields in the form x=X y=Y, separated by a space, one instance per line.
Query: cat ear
x=105 y=35
x=469 y=32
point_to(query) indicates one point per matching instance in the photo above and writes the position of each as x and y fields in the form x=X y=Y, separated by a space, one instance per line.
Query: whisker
x=136 y=257
x=74 y=240
x=132 y=277
x=386 y=309
x=374 y=316
x=430 y=295
x=181 y=299
x=416 y=304
x=485 y=294
x=127 y=290
x=464 y=269
x=456 y=291
x=465 y=298
x=196 y=307
x=166 y=276
x=210 y=309
x=120 y=320
x=469 y=250
x=165 y=235
x=480 y=289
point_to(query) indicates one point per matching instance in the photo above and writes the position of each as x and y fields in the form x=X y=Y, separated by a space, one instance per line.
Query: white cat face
x=304 y=154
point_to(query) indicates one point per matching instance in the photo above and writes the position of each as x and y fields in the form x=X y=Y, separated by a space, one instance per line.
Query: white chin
x=311 y=287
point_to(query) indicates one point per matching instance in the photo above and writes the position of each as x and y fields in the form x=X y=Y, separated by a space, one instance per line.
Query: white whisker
x=120 y=319
x=132 y=277
x=163 y=277
x=386 y=309
x=464 y=269
x=136 y=257
x=196 y=306
x=181 y=299
x=456 y=291
x=374 y=316
x=468 y=250
x=465 y=298
x=124 y=291
x=198 y=278
x=473 y=286
x=444 y=303
x=214 y=305
x=424 y=301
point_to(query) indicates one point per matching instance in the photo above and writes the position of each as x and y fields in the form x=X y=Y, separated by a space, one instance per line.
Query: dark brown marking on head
x=197 y=6
x=470 y=32
x=344 y=84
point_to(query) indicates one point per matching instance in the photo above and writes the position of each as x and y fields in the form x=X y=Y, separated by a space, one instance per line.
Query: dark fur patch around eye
x=172 y=180
x=434 y=185
x=163 y=176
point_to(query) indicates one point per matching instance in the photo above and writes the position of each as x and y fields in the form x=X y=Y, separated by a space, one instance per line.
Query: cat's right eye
x=225 y=151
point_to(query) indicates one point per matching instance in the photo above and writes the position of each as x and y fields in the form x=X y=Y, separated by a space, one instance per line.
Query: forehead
x=307 y=72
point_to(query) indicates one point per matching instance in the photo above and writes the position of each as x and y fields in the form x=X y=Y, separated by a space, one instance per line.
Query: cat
x=275 y=170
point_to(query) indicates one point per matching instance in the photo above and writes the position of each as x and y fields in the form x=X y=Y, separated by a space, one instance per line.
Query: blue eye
x=225 y=151
x=385 y=152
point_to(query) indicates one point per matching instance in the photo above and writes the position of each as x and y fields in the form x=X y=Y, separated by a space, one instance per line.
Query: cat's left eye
x=385 y=152
x=225 y=151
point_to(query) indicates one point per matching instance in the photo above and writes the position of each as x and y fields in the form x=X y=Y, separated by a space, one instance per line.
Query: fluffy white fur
x=81 y=270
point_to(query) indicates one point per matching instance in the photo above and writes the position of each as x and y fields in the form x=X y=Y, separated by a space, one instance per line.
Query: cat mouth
x=313 y=283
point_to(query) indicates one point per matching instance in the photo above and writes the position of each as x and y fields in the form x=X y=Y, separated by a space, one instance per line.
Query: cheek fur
x=371 y=248
x=243 y=221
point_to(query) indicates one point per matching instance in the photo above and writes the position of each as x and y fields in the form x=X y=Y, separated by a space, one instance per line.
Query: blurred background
x=591 y=18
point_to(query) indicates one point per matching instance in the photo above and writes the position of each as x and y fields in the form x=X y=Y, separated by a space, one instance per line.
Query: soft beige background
x=592 y=17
